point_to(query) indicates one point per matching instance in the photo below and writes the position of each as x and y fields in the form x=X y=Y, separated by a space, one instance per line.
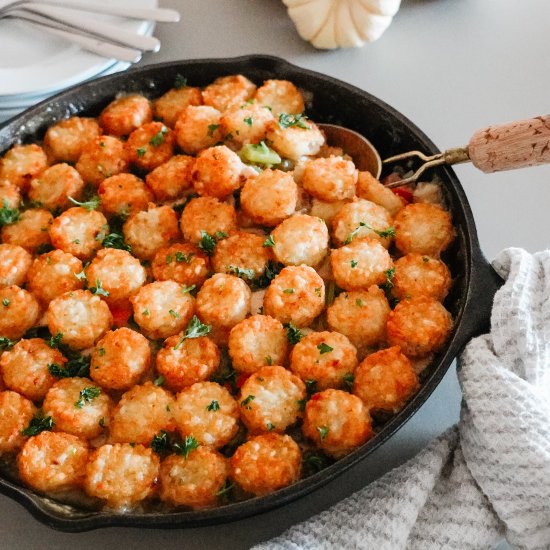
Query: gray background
x=451 y=66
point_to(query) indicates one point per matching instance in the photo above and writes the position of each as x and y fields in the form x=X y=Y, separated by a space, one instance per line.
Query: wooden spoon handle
x=513 y=145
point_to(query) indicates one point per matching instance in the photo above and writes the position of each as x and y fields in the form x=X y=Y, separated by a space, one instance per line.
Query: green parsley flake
x=323 y=431
x=5 y=302
x=8 y=215
x=288 y=291
x=248 y=121
x=98 y=290
x=181 y=257
x=141 y=151
x=208 y=242
x=158 y=138
x=212 y=128
x=146 y=312
x=189 y=444
x=247 y=274
x=269 y=242
x=185 y=289
x=353 y=263
x=195 y=329
x=324 y=348
x=180 y=81
x=159 y=380
x=6 y=344
x=91 y=204
x=87 y=395
x=269 y=360
x=214 y=406
x=81 y=276
x=359 y=302
x=174 y=314
x=246 y=402
x=287 y=120
x=348 y=380
x=293 y=333
x=39 y=424
x=101 y=352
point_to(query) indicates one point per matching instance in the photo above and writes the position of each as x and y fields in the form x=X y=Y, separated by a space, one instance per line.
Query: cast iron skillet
x=332 y=101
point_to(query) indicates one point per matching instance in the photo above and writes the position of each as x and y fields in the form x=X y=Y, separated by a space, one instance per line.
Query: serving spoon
x=492 y=149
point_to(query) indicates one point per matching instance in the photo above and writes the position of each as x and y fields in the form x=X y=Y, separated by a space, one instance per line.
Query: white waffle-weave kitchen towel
x=485 y=478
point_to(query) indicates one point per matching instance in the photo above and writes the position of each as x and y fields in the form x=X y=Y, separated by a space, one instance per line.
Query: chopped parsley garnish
x=287 y=120
x=159 y=380
x=54 y=341
x=189 y=444
x=208 y=242
x=385 y=233
x=39 y=424
x=225 y=488
x=5 y=302
x=272 y=269
x=248 y=121
x=101 y=352
x=293 y=333
x=8 y=215
x=323 y=431
x=388 y=285
x=348 y=380
x=247 y=274
x=77 y=366
x=146 y=312
x=314 y=462
x=214 y=406
x=353 y=263
x=81 y=276
x=98 y=290
x=87 y=395
x=181 y=257
x=324 y=348
x=212 y=128
x=311 y=386
x=185 y=289
x=269 y=242
x=158 y=138
x=6 y=344
x=160 y=443
x=260 y=154
x=288 y=291
x=91 y=204
x=102 y=422
x=270 y=426
x=180 y=81
x=318 y=291
x=195 y=329
x=246 y=402
x=141 y=151
x=174 y=314
x=269 y=360
x=425 y=259
x=116 y=240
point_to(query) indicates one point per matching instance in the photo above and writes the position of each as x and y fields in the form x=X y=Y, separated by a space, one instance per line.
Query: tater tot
x=369 y=188
x=150 y=230
x=79 y=231
x=124 y=195
x=209 y=215
x=53 y=274
x=141 y=413
x=184 y=263
x=241 y=254
x=118 y=272
x=80 y=316
x=182 y=363
x=385 y=380
x=15 y=414
x=330 y=179
x=296 y=295
x=266 y=463
x=52 y=462
x=25 y=367
x=53 y=187
x=120 y=359
x=123 y=115
x=300 y=239
x=270 y=400
x=419 y=325
x=360 y=264
x=424 y=229
x=78 y=407
x=418 y=275
x=337 y=422
x=10 y=195
x=257 y=341
x=150 y=145
x=197 y=127
x=30 y=231
x=195 y=480
x=223 y=301
x=326 y=210
x=294 y=142
x=228 y=92
x=218 y=172
x=19 y=311
x=281 y=96
x=325 y=358
x=245 y=124
x=361 y=315
x=21 y=163
x=15 y=262
x=162 y=309
x=172 y=179
x=208 y=412
x=121 y=474
x=270 y=197
x=101 y=158
x=171 y=104
x=362 y=219
x=65 y=139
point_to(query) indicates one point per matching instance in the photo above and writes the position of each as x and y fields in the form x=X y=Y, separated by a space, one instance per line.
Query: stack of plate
x=35 y=65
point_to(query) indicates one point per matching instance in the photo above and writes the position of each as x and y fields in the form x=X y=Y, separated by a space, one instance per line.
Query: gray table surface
x=451 y=66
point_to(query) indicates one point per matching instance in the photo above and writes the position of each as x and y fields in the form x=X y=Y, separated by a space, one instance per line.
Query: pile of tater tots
x=202 y=301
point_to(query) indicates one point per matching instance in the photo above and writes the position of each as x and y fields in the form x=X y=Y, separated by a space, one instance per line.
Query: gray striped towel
x=485 y=478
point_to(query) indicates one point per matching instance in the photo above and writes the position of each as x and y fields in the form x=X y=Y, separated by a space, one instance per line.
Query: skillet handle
x=484 y=284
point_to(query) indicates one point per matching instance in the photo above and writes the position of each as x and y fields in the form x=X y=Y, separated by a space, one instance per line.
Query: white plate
x=35 y=64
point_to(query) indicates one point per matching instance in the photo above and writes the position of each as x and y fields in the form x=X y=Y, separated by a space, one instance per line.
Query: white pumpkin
x=330 y=24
